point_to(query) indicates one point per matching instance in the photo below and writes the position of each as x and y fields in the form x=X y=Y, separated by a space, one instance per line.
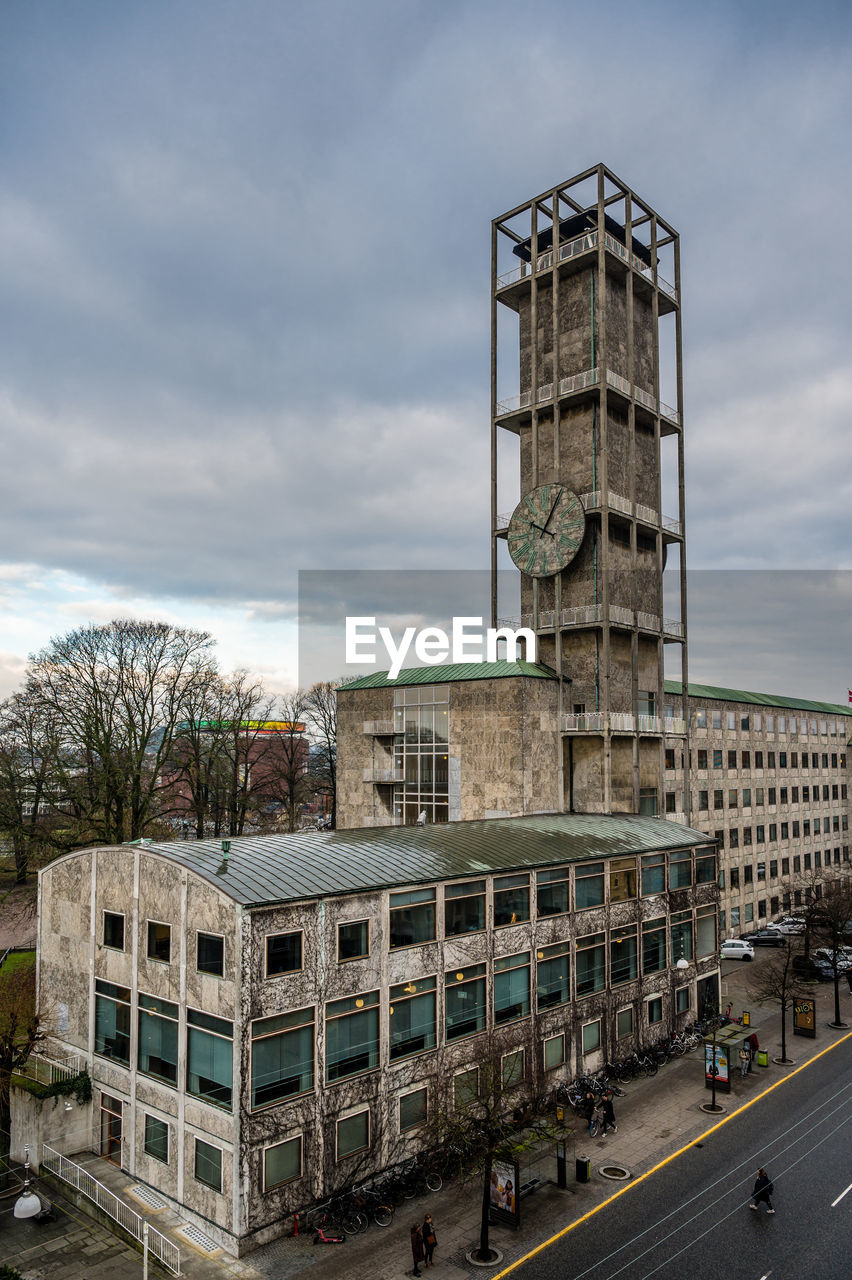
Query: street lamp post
x=28 y=1203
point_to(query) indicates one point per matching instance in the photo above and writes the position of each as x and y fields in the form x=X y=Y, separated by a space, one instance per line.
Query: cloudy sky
x=244 y=272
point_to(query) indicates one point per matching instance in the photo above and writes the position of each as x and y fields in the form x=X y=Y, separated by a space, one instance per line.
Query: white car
x=736 y=949
x=790 y=924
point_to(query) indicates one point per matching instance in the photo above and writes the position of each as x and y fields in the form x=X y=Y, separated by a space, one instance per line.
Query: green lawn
x=16 y=961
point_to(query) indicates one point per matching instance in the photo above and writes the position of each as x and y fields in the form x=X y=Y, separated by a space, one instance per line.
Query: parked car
x=790 y=924
x=844 y=957
x=769 y=937
x=812 y=967
x=737 y=949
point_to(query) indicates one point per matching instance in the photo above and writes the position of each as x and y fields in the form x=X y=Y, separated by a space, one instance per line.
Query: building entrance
x=111 y=1128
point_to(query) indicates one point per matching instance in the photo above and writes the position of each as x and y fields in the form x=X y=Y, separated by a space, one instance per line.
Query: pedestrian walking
x=589 y=1104
x=430 y=1240
x=608 y=1113
x=745 y=1060
x=763 y=1189
x=418 y=1253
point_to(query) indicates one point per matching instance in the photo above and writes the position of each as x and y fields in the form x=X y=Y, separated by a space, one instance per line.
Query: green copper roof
x=284 y=868
x=757 y=699
x=451 y=673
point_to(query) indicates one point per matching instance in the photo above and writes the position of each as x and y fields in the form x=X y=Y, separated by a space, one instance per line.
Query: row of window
x=805 y=827
x=784 y=902
x=283 y=1046
x=209 y=947
x=717 y=758
x=771 y=795
x=760 y=722
x=801 y=862
x=207 y=1164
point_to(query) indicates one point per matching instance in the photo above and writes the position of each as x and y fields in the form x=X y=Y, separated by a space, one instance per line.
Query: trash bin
x=584 y=1169
x=762 y=1058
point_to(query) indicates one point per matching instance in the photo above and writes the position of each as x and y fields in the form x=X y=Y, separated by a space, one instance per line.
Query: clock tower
x=589 y=453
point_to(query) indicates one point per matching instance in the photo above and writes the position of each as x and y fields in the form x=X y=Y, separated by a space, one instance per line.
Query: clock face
x=546 y=530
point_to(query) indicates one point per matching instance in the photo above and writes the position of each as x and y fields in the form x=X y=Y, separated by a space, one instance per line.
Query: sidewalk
x=655 y=1118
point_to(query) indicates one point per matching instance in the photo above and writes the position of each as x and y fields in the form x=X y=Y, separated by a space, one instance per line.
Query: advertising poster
x=504 y=1201
x=721 y=1073
x=804 y=1017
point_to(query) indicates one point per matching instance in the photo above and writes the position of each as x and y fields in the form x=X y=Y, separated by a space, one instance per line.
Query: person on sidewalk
x=589 y=1105
x=745 y=1060
x=429 y=1239
x=608 y=1113
x=417 y=1251
x=763 y=1189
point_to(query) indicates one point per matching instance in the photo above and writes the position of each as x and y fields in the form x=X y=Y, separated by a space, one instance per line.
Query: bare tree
x=21 y=1031
x=830 y=923
x=288 y=781
x=29 y=745
x=777 y=983
x=321 y=713
x=117 y=694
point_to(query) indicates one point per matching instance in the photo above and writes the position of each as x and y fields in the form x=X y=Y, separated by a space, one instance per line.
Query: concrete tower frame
x=589 y=416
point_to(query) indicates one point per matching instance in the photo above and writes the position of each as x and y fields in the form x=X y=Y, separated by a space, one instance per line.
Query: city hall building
x=264 y=1027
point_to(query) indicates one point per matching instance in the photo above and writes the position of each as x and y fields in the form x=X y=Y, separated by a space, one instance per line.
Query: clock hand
x=552 y=509
x=542 y=528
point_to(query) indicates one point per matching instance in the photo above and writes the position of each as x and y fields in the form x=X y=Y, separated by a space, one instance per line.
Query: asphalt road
x=691 y=1218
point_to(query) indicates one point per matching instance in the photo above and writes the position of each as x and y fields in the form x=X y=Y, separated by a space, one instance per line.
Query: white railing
x=671 y=525
x=591 y=501
x=582 y=244
x=378 y=728
x=650 y=724
x=579 y=381
x=159 y=1246
x=547 y=618
x=672 y=627
x=45 y=1070
x=621 y=722
x=648 y=621
x=615 y=380
x=675 y=726
x=648 y=514
x=382 y=775
x=666 y=411
x=619 y=614
x=597 y=721
x=617 y=503
x=644 y=398
x=581 y=615
x=675 y=817
x=509 y=622
x=513 y=276
x=502 y=521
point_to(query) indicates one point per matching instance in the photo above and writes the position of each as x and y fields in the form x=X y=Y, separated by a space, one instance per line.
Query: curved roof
x=282 y=868
x=720 y=694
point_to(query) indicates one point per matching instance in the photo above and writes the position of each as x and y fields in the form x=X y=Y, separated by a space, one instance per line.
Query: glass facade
x=421 y=728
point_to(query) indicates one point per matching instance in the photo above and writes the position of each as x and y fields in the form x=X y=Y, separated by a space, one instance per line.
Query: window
x=703 y=800
x=622 y=879
x=623 y=956
x=746 y=797
x=702 y=758
x=655 y=1010
x=758 y=721
x=653 y=874
x=785 y=866
x=701 y=719
x=770 y=724
x=412 y=917
x=210 y=1057
x=732 y=798
x=464 y=908
x=716 y=719
x=680 y=869
x=731 y=720
x=211 y=954
x=589 y=885
x=761 y=909
x=648 y=801
x=464 y=993
x=511 y=987
x=761 y=870
x=773 y=869
x=747 y=835
x=734 y=838
x=591 y=964
x=682 y=999
x=758 y=759
x=465 y=1087
x=719 y=837
x=282 y=1163
x=553 y=975
x=624 y=1023
x=114 y=930
x=157 y=1138
x=159 y=941
x=421 y=724
x=412 y=1018
x=681 y=935
x=592 y=1036
x=208 y=1165
x=554 y=1052
x=552 y=897
x=353 y=1134
x=718 y=799
x=351 y=1036
x=760 y=834
x=717 y=758
x=732 y=759
x=758 y=795
x=511 y=899
x=112 y=1021
x=654 y=945
x=744 y=722
x=749 y=912
x=705 y=931
x=735 y=917
x=282 y=1056
x=353 y=940
x=283 y=953
x=670 y=758
x=158 y=1038
x=748 y=873
x=705 y=867
x=671 y=802
x=512 y=1065
x=412 y=1109
x=735 y=877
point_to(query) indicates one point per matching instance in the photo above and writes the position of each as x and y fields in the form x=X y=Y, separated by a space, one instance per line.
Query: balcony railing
x=597 y=722
x=379 y=728
x=618 y=614
x=380 y=775
x=648 y=621
x=580 y=382
x=672 y=627
x=671 y=525
x=675 y=726
x=579 y=245
x=650 y=724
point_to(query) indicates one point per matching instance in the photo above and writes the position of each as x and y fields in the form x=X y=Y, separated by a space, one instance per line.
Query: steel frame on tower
x=549 y=253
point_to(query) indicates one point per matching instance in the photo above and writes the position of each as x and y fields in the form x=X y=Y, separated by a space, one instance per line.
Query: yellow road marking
x=545 y=1244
